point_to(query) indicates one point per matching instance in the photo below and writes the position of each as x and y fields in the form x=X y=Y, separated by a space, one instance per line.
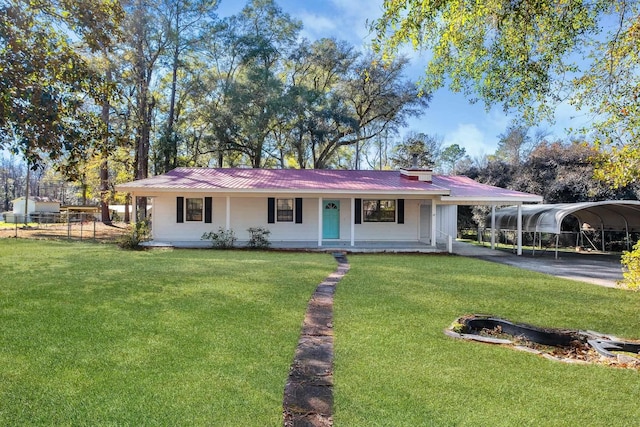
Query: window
x=379 y=210
x=284 y=211
x=194 y=209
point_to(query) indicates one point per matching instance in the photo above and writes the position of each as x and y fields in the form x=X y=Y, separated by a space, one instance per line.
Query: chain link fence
x=65 y=225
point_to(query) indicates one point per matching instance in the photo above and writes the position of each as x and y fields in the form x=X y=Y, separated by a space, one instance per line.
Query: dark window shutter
x=208 y=211
x=179 y=209
x=271 y=210
x=358 y=209
x=298 y=210
x=400 y=208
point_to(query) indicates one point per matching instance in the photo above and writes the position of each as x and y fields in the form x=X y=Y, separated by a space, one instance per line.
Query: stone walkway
x=308 y=394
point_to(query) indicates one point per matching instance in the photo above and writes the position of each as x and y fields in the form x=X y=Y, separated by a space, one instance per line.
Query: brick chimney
x=415 y=173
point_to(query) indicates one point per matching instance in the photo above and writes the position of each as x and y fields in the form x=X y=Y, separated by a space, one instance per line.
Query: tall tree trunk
x=104 y=163
x=26 y=196
x=170 y=142
x=145 y=108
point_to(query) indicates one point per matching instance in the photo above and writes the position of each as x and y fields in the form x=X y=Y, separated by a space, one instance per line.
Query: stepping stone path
x=308 y=394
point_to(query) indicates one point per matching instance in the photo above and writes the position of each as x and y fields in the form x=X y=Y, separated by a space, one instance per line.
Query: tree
x=426 y=148
x=147 y=40
x=188 y=22
x=373 y=99
x=564 y=173
x=246 y=86
x=450 y=157
x=524 y=56
x=46 y=84
x=314 y=75
x=513 y=144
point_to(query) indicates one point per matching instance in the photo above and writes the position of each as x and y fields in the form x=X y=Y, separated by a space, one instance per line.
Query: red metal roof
x=317 y=181
x=465 y=187
x=314 y=180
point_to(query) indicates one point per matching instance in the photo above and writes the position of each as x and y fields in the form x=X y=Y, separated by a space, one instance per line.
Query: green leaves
x=503 y=52
x=46 y=82
x=528 y=56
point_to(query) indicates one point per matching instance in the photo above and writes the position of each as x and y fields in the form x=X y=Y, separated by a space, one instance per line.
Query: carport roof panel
x=617 y=215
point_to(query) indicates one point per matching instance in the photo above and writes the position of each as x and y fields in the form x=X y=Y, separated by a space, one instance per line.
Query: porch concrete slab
x=331 y=246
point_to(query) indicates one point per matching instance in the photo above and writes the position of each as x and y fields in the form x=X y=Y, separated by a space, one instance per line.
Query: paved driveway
x=600 y=269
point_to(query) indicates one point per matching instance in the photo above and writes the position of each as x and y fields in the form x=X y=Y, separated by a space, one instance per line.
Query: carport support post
x=493 y=227
x=134 y=205
x=519 y=229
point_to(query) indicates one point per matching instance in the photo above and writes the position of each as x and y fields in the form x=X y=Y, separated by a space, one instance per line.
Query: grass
x=92 y=335
x=395 y=367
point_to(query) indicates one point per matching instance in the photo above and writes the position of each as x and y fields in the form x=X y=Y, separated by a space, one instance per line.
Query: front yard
x=93 y=335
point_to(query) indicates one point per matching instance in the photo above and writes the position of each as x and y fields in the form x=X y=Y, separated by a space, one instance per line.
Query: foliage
x=189 y=337
x=46 y=81
x=258 y=238
x=501 y=52
x=222 y=239
x=425 y=148
x=631 y=268
x=529 y=56
x=138 y=232
x=561 y=172
x=514 y=144
x=451 y=156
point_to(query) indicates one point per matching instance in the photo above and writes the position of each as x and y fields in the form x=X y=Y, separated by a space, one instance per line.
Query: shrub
x=222 y=239
x=258 y=238
x=631 y=268
x=137 y=234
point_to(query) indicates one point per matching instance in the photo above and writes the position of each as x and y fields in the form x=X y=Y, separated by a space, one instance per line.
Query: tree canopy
x=45 y=78
x=530 y=55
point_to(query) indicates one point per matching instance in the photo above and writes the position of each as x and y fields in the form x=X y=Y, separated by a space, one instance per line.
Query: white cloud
x=471 y=138
x=353 y=16
x=316 y=26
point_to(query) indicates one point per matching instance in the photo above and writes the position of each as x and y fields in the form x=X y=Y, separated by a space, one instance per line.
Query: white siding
x=252 y=212
x=246 y=212
x=34 y=206
x=447 y=219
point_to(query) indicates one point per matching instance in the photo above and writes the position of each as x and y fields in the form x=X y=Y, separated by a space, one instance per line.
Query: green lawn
x=395 y=367
x=93 y=335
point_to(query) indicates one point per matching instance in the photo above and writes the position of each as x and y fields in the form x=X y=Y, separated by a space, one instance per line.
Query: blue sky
x=450 y=115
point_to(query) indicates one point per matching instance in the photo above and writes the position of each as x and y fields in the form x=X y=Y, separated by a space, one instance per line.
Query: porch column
x=320 y=221
x=134 y=207
x=434 y=225
x=519 y=252
x=493 y=226
x=228 y=213
x=353 y=220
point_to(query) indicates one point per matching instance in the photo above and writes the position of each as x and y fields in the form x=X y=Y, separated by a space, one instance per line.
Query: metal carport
x=606 y=216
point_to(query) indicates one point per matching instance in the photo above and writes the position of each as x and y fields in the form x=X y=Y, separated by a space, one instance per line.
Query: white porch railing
x=449 y=238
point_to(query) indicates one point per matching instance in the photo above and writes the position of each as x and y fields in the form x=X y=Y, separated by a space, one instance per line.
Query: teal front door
x=331 y=219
